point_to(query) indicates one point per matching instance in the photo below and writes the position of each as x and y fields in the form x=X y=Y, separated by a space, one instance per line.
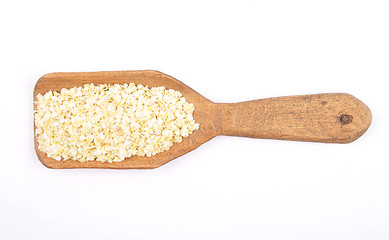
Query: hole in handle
x=345 y=119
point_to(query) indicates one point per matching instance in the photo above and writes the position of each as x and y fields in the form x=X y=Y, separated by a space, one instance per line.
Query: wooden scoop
x=328 y=118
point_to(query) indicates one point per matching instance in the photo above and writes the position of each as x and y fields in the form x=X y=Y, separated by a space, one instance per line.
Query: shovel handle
x=329 y=117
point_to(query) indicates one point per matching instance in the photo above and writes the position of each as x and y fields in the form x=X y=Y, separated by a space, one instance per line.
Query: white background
x=230 y=187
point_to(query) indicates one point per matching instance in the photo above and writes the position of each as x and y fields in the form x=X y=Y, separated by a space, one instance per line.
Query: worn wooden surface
x=331 y=117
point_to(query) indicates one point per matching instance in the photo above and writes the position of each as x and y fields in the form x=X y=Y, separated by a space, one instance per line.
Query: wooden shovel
x=327 y=118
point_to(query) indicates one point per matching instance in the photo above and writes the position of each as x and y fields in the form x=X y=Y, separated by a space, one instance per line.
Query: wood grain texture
x=334 y=117
x=331 y=118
